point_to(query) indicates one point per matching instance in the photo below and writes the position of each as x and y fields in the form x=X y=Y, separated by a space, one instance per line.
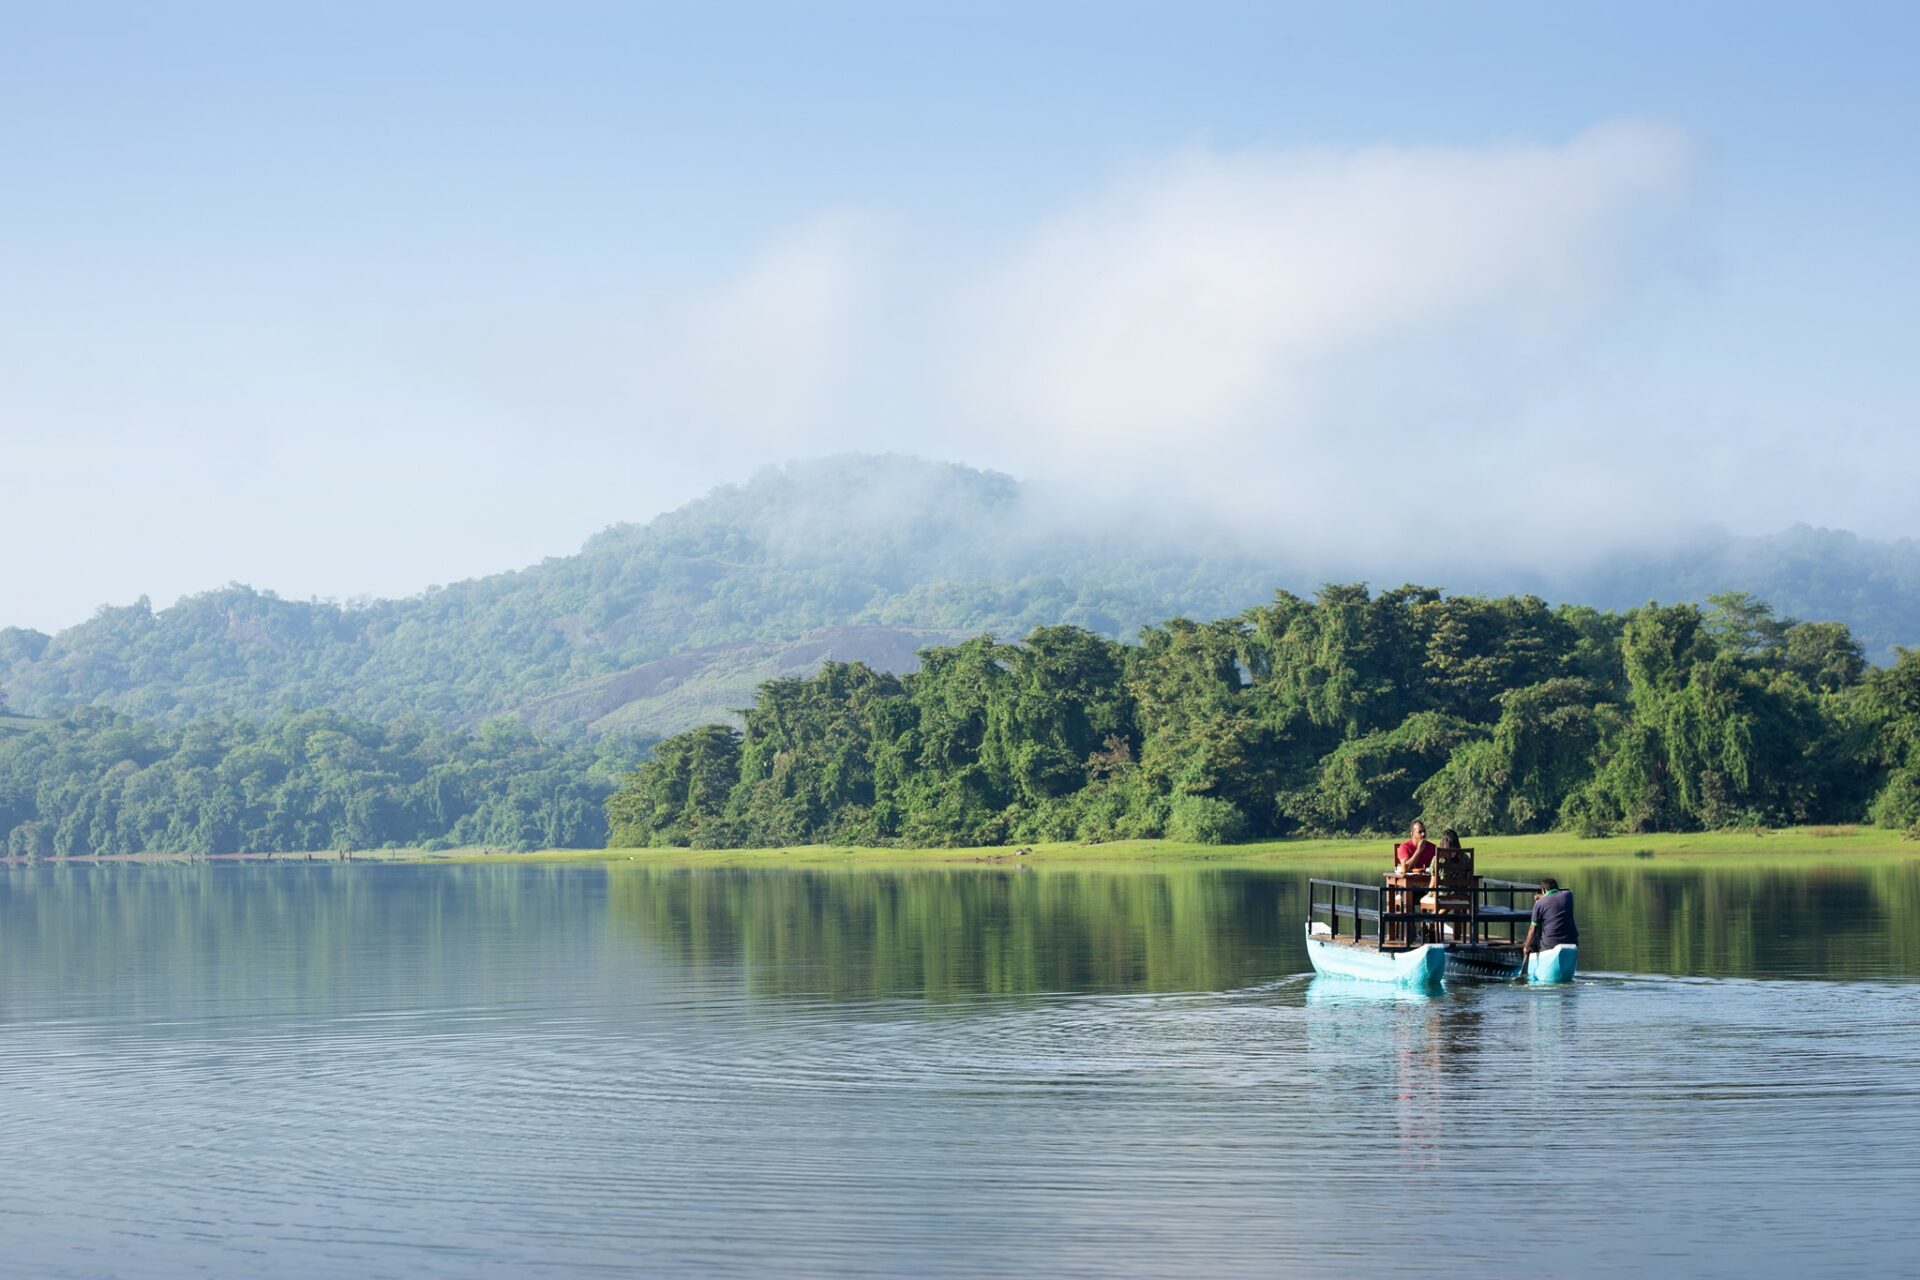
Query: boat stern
x=1488 y=961
x=1428 y=967
x=1553 y=965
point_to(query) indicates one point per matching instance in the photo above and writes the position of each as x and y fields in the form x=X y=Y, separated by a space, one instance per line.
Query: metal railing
x=1345 y=900
x=1503 y=902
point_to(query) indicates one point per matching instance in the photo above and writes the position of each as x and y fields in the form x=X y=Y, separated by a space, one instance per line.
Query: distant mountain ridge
x=1826 y=575
x=651 y=628
x=864 y=557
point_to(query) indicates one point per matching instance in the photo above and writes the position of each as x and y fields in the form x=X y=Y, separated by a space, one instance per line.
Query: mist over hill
x=651 y=628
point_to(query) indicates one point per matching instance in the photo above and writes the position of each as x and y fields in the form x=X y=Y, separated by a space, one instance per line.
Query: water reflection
x=174 y=941
x=944 y=934
x=530 y=1070
x=1750 y=921
x=949 y=933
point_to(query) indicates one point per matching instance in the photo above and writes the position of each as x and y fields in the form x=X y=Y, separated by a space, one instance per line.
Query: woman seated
x=1452 y=883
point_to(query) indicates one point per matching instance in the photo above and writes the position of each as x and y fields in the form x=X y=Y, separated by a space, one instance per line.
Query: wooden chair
x=1403 y=890
x=1450 y=897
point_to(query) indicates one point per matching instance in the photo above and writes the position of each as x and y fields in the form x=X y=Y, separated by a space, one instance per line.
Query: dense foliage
x=939 y=551
x=95 y=782
x=1350 y=712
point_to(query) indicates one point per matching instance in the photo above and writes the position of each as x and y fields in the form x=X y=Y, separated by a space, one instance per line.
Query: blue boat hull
x=1419 y=967
x=1554 y=965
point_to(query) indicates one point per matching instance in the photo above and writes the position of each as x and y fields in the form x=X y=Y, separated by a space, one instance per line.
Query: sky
x=346 y=300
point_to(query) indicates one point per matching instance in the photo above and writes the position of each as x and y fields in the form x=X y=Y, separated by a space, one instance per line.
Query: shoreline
x=1802 y=845
x=1794 y=844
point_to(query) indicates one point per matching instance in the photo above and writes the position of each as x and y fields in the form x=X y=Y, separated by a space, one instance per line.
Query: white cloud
x=1321 y=344
x=1324 y=344
x=1195 y=300
x=773 y=352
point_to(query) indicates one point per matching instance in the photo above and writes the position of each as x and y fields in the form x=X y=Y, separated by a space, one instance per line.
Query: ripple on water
x=566 y=1099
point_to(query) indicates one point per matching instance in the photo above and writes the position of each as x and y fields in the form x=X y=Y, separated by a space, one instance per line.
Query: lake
x=529 y=1070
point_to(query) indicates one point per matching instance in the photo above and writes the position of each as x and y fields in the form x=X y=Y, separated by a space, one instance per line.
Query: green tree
x=1519 y=780
x=679 y=797
x=1370 y=783
x=1889 y=701
x=807 y=758
x=1199 y=735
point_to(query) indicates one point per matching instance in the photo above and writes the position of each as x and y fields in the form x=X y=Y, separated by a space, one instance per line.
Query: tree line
x=96 y=782
x=1346 y=713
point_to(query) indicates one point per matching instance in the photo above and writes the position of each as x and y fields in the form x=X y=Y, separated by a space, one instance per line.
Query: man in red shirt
x=1414 y=853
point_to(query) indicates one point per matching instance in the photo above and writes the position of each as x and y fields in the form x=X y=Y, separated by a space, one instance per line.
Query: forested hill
x=1349 y=712
x=652 y=628
x=649 y=627
x=1825 y=574
x=96 y=782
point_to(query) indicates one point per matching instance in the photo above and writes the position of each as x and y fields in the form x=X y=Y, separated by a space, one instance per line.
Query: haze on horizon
x=346 y=301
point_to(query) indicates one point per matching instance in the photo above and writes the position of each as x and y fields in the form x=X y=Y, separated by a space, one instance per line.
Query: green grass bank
x=1834 y=843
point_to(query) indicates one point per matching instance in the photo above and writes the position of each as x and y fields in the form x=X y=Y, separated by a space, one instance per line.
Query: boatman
x=1415 y=852
x=1552 y=922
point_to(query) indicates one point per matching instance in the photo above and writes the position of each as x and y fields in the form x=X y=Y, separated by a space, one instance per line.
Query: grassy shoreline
x=1851 y=844
x=1826 y=843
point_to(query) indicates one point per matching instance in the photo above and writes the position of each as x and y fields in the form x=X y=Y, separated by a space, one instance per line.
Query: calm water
x=525 y=1071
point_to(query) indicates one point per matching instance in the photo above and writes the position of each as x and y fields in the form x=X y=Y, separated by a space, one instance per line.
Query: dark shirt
x=1553 y=913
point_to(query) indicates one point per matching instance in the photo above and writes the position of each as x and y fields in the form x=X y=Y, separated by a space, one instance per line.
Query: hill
x=652 y=628
x=649 y=628
x=1816 y=574
x=92 y=782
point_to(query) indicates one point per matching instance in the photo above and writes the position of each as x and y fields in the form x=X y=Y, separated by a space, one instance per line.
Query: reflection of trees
x=194 y=934
x=178 y=936
x=1833 y=921
x=952 y=932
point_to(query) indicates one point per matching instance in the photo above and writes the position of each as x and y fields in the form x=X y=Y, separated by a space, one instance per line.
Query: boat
x=1426 y=927
x=1421 y=966
x=1390 y=953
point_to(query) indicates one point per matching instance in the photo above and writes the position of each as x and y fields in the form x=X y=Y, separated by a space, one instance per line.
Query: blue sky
x=359 y=298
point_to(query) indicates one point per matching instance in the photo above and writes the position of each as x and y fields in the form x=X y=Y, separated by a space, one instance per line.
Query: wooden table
x=1404 y=889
